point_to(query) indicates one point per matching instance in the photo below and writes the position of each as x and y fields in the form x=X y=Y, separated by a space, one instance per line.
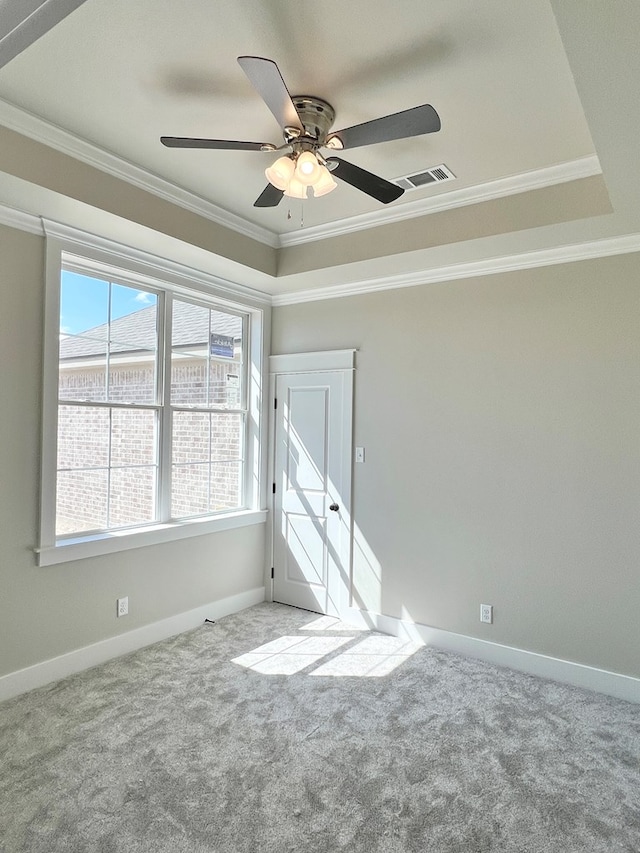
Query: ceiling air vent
x=435 y=175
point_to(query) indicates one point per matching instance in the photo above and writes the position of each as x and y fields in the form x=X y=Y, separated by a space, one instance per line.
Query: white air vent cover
x=435 y=175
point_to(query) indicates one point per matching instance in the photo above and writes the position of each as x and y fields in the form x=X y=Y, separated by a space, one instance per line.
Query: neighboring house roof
x=137 y=331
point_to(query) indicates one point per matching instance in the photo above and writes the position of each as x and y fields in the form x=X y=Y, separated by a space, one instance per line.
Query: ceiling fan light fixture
x=280 y=173
x=325 y=183
x=296 y=189
x=307 y=168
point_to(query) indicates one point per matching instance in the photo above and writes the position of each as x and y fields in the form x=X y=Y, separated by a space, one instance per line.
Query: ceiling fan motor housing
x=316 y=116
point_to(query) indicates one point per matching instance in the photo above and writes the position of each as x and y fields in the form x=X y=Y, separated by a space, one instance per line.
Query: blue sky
x=84 y=302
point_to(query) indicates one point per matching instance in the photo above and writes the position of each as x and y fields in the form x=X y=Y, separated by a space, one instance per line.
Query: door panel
x=307 y=436
x=312 y=472
x=305 y=556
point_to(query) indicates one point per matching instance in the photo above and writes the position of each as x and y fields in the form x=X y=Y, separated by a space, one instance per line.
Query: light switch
x=359 y=454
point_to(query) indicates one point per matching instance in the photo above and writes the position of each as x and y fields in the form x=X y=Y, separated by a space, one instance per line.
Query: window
x=152 y=422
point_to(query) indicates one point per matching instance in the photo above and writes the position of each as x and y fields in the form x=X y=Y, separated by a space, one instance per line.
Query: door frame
x=330 y=361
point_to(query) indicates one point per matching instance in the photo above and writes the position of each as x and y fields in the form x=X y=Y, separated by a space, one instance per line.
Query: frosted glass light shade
x=280 y=173
x=295 y=189
x=324 y=183
x=307 y=168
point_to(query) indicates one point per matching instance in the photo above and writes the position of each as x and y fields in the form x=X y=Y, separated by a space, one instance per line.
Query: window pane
x=81 y=501
x=207 y=470
x=191 y=437
x=206 y=348
x=133 y=382
x=225 y=385
x=229 y=326
x=133 y=345
x=205 y=488
x=83 y=368
x=83 y=437
x=189 y=354
x=133 y=437
x=108 y=341
x=201 y=436
x=132 y=496
x=188 y=379
x=226 y=436
x=133 y=318
x=226 y=486
x=189 y=490
x=84 y=333
x=84 y=304
x=96 y=438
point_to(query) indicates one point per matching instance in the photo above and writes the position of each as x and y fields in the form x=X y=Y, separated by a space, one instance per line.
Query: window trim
x=137 y=269
x=138 y=537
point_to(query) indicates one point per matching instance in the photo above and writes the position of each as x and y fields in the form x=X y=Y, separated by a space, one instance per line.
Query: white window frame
x=136 y=269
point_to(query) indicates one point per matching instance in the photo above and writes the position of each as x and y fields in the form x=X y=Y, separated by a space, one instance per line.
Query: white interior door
x=312 y=480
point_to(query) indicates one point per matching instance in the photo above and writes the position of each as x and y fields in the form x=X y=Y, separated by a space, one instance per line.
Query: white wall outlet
x=123 y=606
x=359 y=454
x=486 y=613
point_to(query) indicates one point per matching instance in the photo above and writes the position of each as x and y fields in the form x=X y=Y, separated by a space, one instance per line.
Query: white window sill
x=123 y=540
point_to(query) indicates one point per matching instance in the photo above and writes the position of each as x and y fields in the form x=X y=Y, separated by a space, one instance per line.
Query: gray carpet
x=202 y=743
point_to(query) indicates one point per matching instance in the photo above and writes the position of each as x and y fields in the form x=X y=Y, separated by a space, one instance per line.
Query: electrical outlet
x=486 y=613
x=123 y=606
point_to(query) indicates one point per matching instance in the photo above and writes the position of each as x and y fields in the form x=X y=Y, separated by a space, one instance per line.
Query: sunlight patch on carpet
x=287 y=655
x=372 y=657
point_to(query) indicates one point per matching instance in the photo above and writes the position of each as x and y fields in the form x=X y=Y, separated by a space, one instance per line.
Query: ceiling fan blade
x=413 y=122
x=266 y=79
x=225 y=144
x=369 y=183
x=269 y=197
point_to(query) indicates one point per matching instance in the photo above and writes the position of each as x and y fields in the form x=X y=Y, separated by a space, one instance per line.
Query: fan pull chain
x=290 y=215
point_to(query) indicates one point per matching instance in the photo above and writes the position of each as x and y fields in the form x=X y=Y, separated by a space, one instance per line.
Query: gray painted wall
x=45 y=612
x=500 y=419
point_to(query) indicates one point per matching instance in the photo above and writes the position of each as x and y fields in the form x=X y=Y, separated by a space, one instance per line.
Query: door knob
x=334 y=507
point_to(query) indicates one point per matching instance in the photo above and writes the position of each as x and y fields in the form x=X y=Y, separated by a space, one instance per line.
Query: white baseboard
x=60 y=667
x=577 y=674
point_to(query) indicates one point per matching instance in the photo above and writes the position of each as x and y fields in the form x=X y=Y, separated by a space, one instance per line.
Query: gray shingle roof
x=137 y=331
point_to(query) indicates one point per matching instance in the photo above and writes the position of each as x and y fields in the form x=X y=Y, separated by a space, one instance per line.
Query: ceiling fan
x=306 y=126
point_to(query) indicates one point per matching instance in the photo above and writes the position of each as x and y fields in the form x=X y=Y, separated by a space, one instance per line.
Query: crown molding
x=621 y=245
x=14 y=218
x=584 y=167
x=36 y=128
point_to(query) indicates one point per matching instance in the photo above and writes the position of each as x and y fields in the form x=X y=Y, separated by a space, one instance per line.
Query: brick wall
x=206 y=472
